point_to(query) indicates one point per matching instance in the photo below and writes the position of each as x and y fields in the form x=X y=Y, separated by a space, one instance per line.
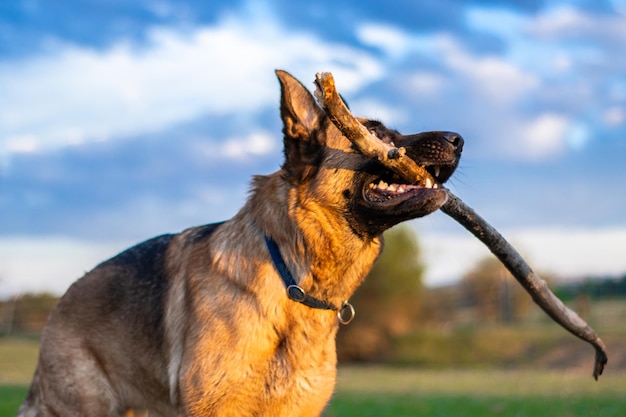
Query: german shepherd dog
x=239 y=318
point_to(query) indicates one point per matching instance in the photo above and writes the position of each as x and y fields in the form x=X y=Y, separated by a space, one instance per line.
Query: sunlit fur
x=199 y=323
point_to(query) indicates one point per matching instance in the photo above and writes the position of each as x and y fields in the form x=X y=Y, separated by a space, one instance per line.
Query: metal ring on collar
x=346 y=313
x=296 y=293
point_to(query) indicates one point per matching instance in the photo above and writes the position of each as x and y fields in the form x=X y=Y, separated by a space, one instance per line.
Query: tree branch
x=396 y=160
x=532 y=283
x=392 y=157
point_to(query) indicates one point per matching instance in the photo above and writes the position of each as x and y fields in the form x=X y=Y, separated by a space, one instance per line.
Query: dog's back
x=84 y=348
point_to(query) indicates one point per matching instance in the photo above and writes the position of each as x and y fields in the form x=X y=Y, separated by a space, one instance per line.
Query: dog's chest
x=279 y=363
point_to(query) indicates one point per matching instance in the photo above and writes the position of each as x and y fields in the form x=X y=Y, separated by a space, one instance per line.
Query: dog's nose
x=454 y=139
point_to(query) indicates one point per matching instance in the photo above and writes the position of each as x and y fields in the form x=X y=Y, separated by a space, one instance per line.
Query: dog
x=239 y=318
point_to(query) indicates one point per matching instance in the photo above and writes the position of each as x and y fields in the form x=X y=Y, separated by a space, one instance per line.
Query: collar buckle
x=296 y=293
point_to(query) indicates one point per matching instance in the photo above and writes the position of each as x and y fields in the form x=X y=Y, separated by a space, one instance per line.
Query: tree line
x=392 y=303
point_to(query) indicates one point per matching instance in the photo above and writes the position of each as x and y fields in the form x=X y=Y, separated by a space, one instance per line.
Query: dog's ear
x=302 y=119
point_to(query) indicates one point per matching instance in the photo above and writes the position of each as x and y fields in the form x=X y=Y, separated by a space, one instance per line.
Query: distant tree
x=388 y=303
x=27 y=313
x=493 y=292
x=594 y=287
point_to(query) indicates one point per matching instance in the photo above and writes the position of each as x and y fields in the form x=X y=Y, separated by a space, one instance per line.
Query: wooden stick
x=532 y=283
x=367 y=144
x=396 y=160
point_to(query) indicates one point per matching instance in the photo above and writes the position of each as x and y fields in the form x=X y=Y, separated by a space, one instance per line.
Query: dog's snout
x=454 y=139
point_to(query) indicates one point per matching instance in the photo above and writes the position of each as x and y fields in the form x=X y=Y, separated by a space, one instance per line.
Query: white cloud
x=559 y=20
x=566 y=21
x=375 y=109
x=495 y=79
x=391 y=40
x=21 y=144
x=51 y=264
x=491 y=77
x=560 y=60
x=77 y=94
x=30 y=264
x=588 y=40
x=536 y=138
x=255 y=144
x=525 y=102
x=426 y=83
x=614 y=116
x=566 y=253
x=448 y=257
x=545 y=136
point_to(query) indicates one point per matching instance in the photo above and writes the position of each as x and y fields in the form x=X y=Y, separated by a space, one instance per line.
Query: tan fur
x=265 y=338
x=199 y=323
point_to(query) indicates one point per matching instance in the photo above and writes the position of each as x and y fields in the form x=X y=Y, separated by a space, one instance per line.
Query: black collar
x=296 y=293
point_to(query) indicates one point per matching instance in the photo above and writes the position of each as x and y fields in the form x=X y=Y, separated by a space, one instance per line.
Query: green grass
x=398 y=392
x=476 y=382
x=10 y=399
x=383 y=391
x=361 y=405
x=380 y=391
x=347 y=404
x=18 y=357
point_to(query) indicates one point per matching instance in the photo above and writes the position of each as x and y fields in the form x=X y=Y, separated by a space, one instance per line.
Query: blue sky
x=123 y=120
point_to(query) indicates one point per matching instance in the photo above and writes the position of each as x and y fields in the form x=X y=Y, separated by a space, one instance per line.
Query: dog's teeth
x=401 y=188
x=392 y=188
x=382 y=185
x=436 y=185
x=429 y=183
x=437 y=170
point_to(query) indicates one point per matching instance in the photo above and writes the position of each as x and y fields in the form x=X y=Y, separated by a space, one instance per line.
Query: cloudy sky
x=123 y=120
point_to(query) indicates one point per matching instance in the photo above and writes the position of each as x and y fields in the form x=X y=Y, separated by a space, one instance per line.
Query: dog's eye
x=384 y=138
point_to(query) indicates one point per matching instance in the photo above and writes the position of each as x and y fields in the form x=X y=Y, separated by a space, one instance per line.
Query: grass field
x=457 y=406
x=366 y=392
x=18 y=357
x=399 y=392
x=383 y=391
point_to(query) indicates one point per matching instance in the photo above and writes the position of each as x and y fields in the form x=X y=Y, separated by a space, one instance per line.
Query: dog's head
x=324 y=166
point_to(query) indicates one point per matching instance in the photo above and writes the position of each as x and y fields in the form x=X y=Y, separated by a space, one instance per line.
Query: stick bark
x=396 y=160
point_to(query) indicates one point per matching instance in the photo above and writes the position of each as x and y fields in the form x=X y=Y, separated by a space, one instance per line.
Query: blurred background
x=124 y=120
